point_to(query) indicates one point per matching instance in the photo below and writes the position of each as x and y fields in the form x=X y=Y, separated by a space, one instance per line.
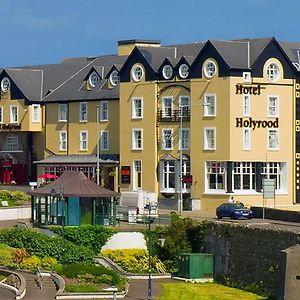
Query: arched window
x=12 y=143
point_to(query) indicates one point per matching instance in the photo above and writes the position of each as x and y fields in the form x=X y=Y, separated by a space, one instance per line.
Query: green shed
x=195 y=265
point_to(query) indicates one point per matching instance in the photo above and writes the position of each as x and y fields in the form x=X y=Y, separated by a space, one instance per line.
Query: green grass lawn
x=204 y=291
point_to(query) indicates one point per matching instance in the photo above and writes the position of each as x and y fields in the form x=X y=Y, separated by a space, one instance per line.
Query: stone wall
x=248 y=257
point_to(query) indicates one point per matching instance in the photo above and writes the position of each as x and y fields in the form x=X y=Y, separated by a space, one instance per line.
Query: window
x=184 y=106
x=94 y=79
x=167 y=72
x=273 y=139
x=243 y=176
x=167 y=139
x=184 y=139
x=103 y=111
x=83 y=140
x=184 y=71
x=104 y=145
x=273 y=106
x=246 y=139
x=63 y=112
x=36 y=113
x=247 y=77
x=215 y=175
x=246 y=106
x=186 y=171
x=11 y=143
x=14 y=115
x=137 y=108
x=209 y=139
x=137 y=139
x=83 y=111
x=210 y=69
x=5 y=85
x=137 y=73
x=277 y=171
x=1 y=114
x=114 y=78
x=273 y=72
x=167 y=106
x=63 y=141
x=209 y=105
x=167 y=176
x=137 y=175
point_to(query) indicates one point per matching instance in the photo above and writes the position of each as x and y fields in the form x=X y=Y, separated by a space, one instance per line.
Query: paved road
x=6 y=294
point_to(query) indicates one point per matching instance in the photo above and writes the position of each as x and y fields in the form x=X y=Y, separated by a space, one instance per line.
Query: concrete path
x=6 y=294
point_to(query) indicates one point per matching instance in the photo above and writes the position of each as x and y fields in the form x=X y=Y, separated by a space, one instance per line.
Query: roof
x=74 y=184
x=79 y=159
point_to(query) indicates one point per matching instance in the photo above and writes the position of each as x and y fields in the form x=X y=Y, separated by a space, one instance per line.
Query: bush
x=6 y=255
x=134 y=260
x=90 y=236
x=15 y=198
x=30 y=263
x=42 y=245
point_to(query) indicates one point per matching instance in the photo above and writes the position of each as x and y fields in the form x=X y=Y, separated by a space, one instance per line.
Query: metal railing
x=39 y=278
x=174 y=115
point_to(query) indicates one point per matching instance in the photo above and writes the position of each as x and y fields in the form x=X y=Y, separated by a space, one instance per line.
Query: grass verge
x=204 y=291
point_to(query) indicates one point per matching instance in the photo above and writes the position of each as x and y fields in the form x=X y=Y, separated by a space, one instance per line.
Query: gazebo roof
x=74 y=184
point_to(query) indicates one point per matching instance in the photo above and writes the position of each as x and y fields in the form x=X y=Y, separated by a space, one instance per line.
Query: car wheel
x=249 y=217
x=219 y=217
x=233 y=216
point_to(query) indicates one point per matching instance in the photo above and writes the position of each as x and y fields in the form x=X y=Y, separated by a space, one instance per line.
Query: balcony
x=173 y=115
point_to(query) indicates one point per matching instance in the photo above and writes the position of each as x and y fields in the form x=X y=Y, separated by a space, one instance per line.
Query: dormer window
x=210 y=69
x=5 y=85
x=167 y=72
x=94 y=79
x=273 y=72
x=184 y=71
x=137 y=73
x=114 y=78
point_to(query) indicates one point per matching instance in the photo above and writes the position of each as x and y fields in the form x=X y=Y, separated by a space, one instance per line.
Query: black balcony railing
x=173 y=115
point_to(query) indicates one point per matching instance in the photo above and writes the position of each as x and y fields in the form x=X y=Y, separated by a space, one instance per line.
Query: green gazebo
x=73 y=199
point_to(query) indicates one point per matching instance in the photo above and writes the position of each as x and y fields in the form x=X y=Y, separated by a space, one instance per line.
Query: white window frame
x=83 y=144
x=103 y=111
x=184 y=141
x=137 y=73
x=270 y=139
x=63 y=142
x=137 y=142
x=184 y=106
x=247 y=77
x=166 y=110
x=62 y=112
x=167 y=138
x=137 y=112
x=137 y=175
x=83 y=116
x=94 y=79
x=277 y=171
x=273 y=72
x=14 y=116
x=36 y=113
x=104 y=140
x=114 y=78
x=167 y=71
x=210 y=69
x=184 y=71
x=246 y=105
x=206 y=144
x=242 y=173
x=167 y=170
x=1 y=114
x=215 y=170
x=273 y=110
x=246 y=138
x=209 y=105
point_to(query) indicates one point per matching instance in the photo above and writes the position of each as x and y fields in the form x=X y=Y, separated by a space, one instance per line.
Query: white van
x=133 y=206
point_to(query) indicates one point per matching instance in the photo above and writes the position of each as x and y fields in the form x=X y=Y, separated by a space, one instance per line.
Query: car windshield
x=238 y=205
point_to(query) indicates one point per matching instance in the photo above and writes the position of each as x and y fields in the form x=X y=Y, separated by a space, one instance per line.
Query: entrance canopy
x=74 y=184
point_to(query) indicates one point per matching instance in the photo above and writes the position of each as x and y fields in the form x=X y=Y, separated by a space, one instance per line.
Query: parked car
x=233 y=211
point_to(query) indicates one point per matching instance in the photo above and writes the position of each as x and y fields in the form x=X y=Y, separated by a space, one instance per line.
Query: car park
x=233 y=211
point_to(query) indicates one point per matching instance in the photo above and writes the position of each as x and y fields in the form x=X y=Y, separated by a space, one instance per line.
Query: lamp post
x=98 y=148
x=180 y=200
x=148 y=206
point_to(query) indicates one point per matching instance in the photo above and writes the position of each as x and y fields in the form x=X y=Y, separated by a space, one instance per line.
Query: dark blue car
x=233 y=211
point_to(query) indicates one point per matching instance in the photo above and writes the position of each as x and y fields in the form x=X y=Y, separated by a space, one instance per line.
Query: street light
x=180 y=200
x=98 y=148
x=148 y=206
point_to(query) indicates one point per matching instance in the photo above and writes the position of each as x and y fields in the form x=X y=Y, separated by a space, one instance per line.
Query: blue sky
x=43 y=31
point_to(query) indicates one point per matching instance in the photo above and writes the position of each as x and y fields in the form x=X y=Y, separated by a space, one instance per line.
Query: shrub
x=134 y=260
x=30 y=263
x=18 y=255
x=6 y=255
x=15 y=198
x=90 y=236
x=48 y=263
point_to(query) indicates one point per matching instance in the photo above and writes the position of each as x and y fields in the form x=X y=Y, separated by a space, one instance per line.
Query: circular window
x=137 y=73
x=167 y=71
x=210 y=69
x=273 y=72
x=5 y=84
x=94 y=79
x=114 y=78
x=184 y=71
